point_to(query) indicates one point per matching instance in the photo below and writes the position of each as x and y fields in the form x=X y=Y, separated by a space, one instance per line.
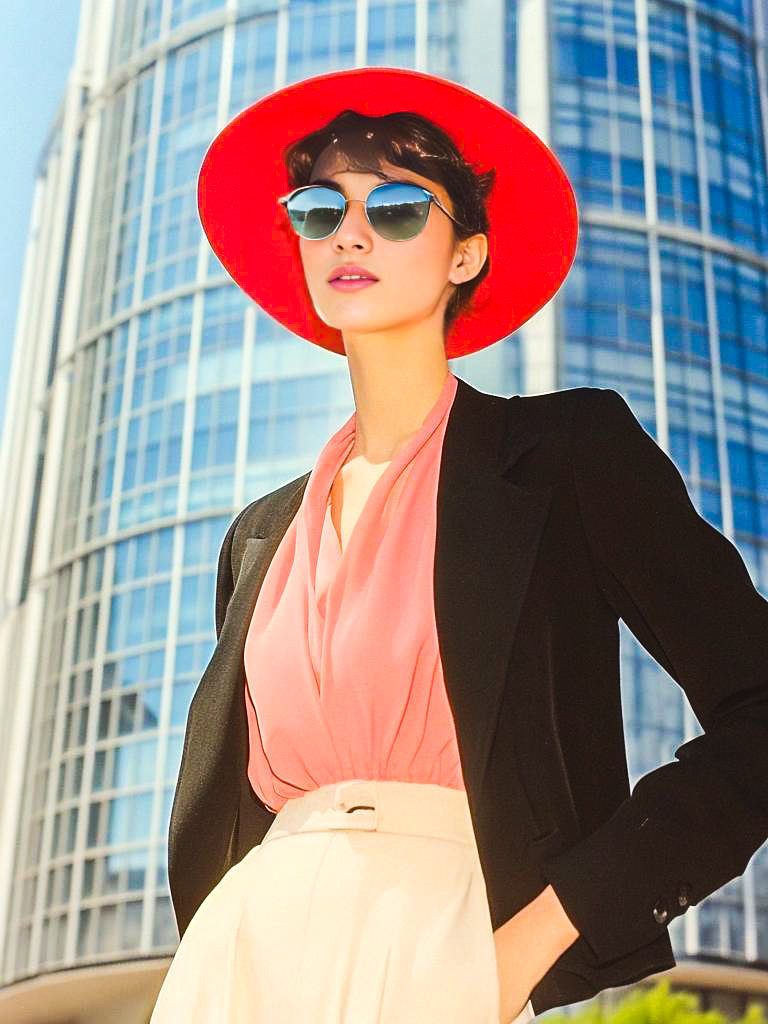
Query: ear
x=470 y=255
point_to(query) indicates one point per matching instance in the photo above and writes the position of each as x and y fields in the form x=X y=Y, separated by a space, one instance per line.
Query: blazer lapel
x=488 y=528
x=251 y=557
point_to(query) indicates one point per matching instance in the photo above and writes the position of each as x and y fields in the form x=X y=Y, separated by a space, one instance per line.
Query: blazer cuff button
x=684 y=894
x=660 y=912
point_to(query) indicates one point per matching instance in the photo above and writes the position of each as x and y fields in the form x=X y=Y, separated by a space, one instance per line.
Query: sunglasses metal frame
x=430 y=196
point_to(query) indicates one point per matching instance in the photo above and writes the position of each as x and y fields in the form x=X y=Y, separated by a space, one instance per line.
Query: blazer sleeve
x=693 y=824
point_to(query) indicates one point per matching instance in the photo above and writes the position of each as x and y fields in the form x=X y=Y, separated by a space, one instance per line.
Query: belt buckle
x=356 y=799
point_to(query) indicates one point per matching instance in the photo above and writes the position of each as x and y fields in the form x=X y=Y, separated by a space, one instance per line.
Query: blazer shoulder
x=605 y=412
x=558 y=424
x=562 y=410
x=566 y=399
x=254 y=516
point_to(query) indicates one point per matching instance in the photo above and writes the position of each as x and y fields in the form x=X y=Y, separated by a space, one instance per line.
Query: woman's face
x=415 y=277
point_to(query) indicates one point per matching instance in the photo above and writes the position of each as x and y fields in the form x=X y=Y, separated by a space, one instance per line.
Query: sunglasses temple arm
x=437 y=202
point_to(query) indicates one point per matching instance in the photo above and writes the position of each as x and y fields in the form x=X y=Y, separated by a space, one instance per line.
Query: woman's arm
x=693 y=824
x=526 y=947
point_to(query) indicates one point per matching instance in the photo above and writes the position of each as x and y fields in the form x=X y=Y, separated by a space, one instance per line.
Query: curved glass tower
x=658 y=111
x=150 y=401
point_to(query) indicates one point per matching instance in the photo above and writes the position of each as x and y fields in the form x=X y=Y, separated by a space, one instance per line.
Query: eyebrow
x=385 y=177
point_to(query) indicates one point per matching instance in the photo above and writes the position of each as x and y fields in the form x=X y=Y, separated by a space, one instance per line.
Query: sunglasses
x=396 y=210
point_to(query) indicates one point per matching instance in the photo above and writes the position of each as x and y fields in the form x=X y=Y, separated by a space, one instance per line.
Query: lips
x=351 y=268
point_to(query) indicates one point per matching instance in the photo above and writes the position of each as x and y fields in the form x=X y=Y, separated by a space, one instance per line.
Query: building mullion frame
x=165 y=19
x=190 y=398
x=89 y=747
x=534 y=89
x=54 y=756
x=153 y=140
x=81 y=541
x=658 y=348
x=133 y=323
x=612 y=98
x=114 y=234
x=692 y=921
x=282 y=30
x=158 y=802
x=361 y=33
x=174 y=599
x=244 y=407
x=94 y=698
x=748 y=879
x=421 y=36
x=151 y=893
x=759 y=42
x=21 y=867
x=658 y=354
x=222 y=108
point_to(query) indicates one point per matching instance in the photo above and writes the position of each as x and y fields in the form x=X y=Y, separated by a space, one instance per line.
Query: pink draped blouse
x=343 y=672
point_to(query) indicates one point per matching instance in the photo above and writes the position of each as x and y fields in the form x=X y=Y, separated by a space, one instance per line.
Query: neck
x=394 y=386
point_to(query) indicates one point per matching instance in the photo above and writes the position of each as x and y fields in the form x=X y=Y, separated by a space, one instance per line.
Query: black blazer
x=557 y=515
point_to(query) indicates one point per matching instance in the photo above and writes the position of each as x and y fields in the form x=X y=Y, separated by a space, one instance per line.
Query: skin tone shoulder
x=393 y=336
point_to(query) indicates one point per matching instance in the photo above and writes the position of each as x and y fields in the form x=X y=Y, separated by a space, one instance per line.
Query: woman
x=403 y=794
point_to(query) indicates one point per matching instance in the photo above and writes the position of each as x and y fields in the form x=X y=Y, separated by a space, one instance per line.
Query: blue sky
x=37 y=48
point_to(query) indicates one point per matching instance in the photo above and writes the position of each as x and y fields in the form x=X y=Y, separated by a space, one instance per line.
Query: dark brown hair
x=409 y=140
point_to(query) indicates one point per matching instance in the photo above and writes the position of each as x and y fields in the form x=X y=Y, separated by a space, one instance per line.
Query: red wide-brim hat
x=532 y=208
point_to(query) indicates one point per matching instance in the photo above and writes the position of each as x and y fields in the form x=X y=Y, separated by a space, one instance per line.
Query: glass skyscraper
x=150 y=401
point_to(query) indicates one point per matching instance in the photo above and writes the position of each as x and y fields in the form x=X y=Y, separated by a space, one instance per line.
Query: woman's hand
x=526 y=947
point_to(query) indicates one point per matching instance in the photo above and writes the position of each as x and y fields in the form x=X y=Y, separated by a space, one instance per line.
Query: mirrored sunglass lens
x=315 y=212
x=397 y=211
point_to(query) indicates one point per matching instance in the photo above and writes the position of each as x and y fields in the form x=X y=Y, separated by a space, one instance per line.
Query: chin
x=361 y=324
x=364 y=326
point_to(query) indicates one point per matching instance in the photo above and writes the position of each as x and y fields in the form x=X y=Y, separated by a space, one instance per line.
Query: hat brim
x=532 y=208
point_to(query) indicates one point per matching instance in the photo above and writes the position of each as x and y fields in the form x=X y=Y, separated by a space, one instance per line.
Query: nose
x=354 y=229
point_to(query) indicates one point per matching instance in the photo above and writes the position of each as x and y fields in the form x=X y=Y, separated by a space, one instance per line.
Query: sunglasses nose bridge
x=345 y=213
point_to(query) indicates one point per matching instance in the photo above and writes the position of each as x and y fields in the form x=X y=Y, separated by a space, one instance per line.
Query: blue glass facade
x=187 y=402
x=656 y=115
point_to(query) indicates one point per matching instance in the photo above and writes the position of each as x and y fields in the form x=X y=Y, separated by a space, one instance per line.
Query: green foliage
x=656 y=1005
x=754 y=1015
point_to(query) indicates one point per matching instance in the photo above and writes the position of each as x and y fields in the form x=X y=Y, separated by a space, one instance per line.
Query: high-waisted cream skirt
x=364 y=903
